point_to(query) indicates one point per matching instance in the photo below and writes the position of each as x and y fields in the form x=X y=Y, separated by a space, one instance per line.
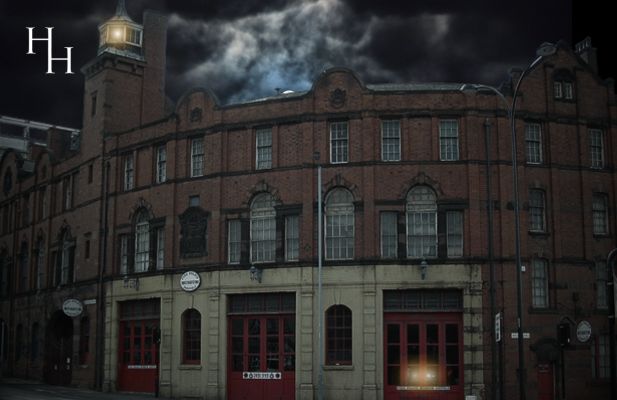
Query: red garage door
x=138 y=348
x=261 y=347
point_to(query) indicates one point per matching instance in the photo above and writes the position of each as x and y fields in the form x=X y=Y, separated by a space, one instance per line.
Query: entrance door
x=138 y=356
x=423 y=356
x=261 y=357
x=59 y=350
x=546 y=382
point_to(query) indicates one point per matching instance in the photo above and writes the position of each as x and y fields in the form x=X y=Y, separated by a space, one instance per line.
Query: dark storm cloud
x=245 y=50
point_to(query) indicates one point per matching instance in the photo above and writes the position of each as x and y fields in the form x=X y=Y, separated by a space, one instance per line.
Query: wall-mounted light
x=255 y=273
x=423 y=267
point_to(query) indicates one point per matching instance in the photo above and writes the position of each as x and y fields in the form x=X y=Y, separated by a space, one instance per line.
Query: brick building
x=186 y=235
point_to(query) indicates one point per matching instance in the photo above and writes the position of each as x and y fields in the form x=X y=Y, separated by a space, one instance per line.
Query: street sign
x=514 y=335
x=583 y=331
x=72 y=307
x=190 y=281
x=498 y=327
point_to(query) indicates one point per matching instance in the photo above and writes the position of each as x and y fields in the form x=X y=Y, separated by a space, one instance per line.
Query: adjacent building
x=185 y=236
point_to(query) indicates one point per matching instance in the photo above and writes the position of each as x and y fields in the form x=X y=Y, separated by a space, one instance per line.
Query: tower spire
x=121 y=9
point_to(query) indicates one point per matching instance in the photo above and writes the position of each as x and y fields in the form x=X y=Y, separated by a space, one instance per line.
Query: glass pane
x=272 y=326
x=290 y=344
x=253 y=363
x=272 y=363
x=254 y=345
x=290 y=363
x=253 y=327
x=394 y=354
x=272 y=345
x=452 y=375
x=236 y=362
x=137 y=330
x=413 y=354
x=236 y=345
x=137 y=357
x=147 y=358
x=432 y=333
x=289 y=326
x=126 y=357
x=432 y=354
x=413 y=333
x=237 y=327
x=394 y=375
x=452 y=354
x=451 y=333
x=393 y=334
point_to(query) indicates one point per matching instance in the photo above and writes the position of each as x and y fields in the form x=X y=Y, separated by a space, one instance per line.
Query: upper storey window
x=263 y=152
x=597 y=148
x=129 y=169
x=563 y=85
x=390 y=140
x=421 y=223
x=263 y=228
x=197 y=157
x=339 y=225
x=448 y=140
x=339 y=142
x=533 y=143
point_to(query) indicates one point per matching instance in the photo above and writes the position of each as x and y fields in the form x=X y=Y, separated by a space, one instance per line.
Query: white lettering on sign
x=434 y=388
x=514 y=335
x=261 y=375
x=72 y=307
x=583 y=331
x=141 y=366
x=190 y=281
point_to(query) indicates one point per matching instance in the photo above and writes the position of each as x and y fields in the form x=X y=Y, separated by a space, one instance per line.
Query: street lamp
x=320 y=349
x=545 y=50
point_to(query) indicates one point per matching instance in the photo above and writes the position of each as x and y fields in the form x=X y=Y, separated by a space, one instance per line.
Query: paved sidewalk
x=20 y=389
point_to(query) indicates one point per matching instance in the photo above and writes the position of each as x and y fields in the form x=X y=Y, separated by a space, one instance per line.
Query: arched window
x=338 y=335
x=339 y=225
x=142 y=242
x=263 y=228
x=191 y=337
x=421 y=223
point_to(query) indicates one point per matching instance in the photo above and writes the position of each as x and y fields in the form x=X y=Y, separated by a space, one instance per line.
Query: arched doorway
x=59 y=349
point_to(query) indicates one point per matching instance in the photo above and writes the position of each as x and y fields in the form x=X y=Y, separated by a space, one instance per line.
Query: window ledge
x=189 y=367
x=539 y=233
x=338 y=368
x=601 y=235
x=547 y=310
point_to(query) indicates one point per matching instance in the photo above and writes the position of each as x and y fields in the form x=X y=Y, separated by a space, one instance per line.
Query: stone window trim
x=191 y=337
x=126 y=242
x=339 y=337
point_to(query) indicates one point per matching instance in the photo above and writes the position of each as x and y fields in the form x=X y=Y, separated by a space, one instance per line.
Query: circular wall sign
x=583 y=331
x=72 y=307
x=190 y=281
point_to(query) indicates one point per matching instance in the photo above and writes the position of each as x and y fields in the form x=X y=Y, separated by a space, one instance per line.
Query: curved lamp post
x=545 y=49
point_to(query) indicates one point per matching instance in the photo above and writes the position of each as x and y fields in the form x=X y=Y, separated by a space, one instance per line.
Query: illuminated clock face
x=8 y=182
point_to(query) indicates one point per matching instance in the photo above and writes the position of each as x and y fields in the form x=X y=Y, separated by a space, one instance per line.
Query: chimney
x=588 y=53
x=155 y=44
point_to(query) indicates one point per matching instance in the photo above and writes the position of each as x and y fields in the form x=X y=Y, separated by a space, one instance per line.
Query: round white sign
x=583 y=331
x=72 y=307
x=190 y=281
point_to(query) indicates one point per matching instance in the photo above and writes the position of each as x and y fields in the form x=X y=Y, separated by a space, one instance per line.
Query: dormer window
x=563 y=85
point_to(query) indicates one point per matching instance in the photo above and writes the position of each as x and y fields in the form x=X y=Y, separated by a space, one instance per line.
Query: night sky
x=246 y=49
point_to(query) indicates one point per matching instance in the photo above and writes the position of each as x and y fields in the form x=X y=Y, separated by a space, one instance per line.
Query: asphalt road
x=24 y=390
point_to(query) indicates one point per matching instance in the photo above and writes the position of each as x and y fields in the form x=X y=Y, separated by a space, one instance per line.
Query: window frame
x=197 y=157
x=449 y=138
x=263 y=148
x=263 y=229
x=388 y=240
x=339 y=335
x=596 y=148
x=540 y=298
x=339 y=142
x=452 y=236
x=191 y=336
x=142 y=243
x=537 y=211
x=424 y=210
x=161 y=163
x=601 y=285
x=129 y=172
x=234 y=241
x=533 y=145
x=292 y=238
x=389 y=142
x=340 y=216
x=600 y=214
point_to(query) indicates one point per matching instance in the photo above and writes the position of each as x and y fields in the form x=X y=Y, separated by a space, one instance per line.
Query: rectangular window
x=600 y=214
x=42 y=211
x=263 y=139
x=448 y=140
x=40 y=264
x=537 y=209
x=533 y=141
x=601 y=279
x=567 y=91
x=597 y=148
x=124 y=254
x=600 y=357
x=67 y=190
x=160 y=248
x=390 y=140
x=454 y=233
x=539 y=276
x=87 y=249
x=292 y=238
x=557 y=90
x=197 y=157
x=340 y=236
x=389 y=235
x=161 y=164
x=142 y=247
x=128 y=172
x=234 y=241
x=263 y=239
x=339 y=142
x=421 y=234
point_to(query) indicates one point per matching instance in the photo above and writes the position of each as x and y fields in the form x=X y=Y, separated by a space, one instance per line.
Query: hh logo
x=50 y=70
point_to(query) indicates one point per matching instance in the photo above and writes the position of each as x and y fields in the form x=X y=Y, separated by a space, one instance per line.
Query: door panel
x=138 y=356
x=423 y=356
x=261 y=357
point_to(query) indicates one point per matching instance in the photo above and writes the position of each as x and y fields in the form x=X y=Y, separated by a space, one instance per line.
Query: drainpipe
x=610 y=285
x=100 y=319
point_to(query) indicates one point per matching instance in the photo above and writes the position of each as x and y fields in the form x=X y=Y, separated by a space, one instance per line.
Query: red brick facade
x=128 y=119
